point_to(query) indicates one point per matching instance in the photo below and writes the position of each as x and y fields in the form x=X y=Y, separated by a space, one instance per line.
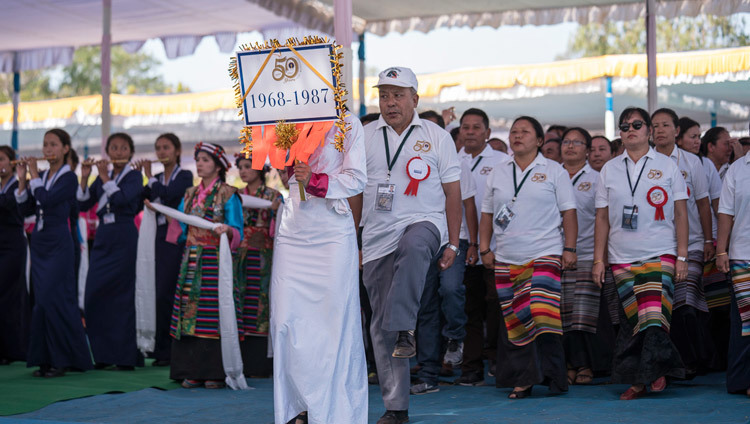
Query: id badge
x=504 y=216
x=40 y=224
x=161 y=220
x=108 y=218
x=384 y=197
x=630 y=217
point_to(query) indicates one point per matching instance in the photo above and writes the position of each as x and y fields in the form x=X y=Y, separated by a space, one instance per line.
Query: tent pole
x=362 y=106
x=16 y=100
x=106 y=72
x=342 y=27
x=651 y=52
x=609 y=114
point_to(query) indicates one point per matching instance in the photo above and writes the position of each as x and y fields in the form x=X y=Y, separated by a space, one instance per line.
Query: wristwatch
x=453 y=248
x=569 y=249
x=682 y=258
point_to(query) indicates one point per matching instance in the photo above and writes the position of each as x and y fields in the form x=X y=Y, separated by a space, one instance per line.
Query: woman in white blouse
x=642 y=230
x=522 y=204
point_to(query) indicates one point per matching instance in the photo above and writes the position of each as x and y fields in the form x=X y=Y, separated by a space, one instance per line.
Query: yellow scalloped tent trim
x=698 y=63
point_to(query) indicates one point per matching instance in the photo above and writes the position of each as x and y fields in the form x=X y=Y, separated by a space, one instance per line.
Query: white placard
x=287 y=89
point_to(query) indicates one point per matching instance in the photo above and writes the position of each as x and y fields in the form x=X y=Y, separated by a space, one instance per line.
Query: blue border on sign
x=281 y=49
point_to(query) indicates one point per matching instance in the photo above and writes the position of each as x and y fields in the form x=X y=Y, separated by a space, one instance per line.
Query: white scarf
x=252 y=202
x=145 y=293
x=83 y=265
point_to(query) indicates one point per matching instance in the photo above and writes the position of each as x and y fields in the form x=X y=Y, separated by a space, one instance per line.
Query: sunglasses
x=625 y=127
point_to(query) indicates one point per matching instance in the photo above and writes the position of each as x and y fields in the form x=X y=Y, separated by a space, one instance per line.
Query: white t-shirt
x=535 y=230
x=652 y=238
x=468 y=190
x=584 y=189
x=697 y=185
x=383 y=230
x=735 y=201
x=481 y=166
x=714 y=187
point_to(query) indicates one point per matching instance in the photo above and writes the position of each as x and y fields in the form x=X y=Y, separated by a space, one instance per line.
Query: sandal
x=191 y=384
x=585 y=376
x=572 y=374
x=215 y=384
x=520 y=394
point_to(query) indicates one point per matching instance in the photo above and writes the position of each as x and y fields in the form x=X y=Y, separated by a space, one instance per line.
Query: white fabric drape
x=252 y=202
x=83 y=265
x=145 y=287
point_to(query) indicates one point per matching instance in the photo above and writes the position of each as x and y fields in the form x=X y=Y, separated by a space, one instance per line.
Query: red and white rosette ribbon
x=418 y=171
x=657 y=197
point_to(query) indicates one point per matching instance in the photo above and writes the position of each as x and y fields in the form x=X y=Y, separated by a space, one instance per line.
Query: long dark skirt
x=57 y=336
x=255 y=357
x=168 y=259
x=15 y=307
x=109 y=303
x=718 y=328
x=196 y=358
x=644 y=357
x=689 y=333
x=588 y=350
x=541 y=361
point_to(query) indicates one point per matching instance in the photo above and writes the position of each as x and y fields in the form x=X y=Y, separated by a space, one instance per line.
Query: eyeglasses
x=573 y=142
x=625 y=127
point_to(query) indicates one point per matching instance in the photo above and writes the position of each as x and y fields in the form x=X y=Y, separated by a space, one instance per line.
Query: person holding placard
x=57 y=339
x=253 y=261
x=644 y=227
x=314 y=288
x=733 y=256
x=15 y=305
x=167 y=188
x=522 y=205
x=411 y=208
x=196 y=347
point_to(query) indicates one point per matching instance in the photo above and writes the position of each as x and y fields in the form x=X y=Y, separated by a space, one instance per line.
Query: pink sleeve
x=318 y=185
x=234 y=242
x=174 y=230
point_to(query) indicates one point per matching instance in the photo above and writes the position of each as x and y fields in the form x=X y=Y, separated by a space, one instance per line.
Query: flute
x=23 y=161
x=91 y=161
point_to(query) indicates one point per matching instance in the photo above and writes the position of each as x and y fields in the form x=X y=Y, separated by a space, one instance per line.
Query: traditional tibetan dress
x=252 y=267
x=196 y=345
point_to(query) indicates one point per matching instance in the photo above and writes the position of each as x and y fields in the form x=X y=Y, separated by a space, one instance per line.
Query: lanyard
x=575 y=180
x=516 y=186
x=476 y=163
x=388 y=160
x=627 y=171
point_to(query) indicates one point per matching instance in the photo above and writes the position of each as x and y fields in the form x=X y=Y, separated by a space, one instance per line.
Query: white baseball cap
x=398 y=76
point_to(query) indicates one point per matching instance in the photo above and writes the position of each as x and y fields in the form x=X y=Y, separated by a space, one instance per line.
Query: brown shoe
x=631 y=394
x=406 y=345
x=659 y=385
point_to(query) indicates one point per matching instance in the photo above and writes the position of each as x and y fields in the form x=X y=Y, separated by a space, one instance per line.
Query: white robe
x=319 y=359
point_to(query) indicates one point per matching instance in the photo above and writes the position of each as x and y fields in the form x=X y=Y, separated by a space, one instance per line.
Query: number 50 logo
x=286 y=67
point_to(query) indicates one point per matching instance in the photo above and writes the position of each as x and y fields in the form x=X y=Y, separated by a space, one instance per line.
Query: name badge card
x=504 y=216
x=384 y=197
x=630 y=217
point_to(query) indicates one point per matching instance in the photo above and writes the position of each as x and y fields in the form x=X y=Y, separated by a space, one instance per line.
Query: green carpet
x=20 y=392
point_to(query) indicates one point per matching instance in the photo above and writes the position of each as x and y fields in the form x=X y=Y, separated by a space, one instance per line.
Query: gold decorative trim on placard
x=287 y=136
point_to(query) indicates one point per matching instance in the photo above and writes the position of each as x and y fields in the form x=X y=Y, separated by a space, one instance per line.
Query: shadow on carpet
x=20 y=392
x=702 y=400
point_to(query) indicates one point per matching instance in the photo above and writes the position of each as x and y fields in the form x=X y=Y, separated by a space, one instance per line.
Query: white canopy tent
x=41 y=33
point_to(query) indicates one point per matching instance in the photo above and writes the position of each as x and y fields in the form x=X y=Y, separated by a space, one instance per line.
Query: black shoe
x=161 y=363
x=394 y=417
x=406 y=345
x=372 y=378
x=520 y=394
x=5 y=361
x=492 y=370
x=41 y=371
x=454 y=354
x=101 y=366
x=123 y=368
x=54 y=372
x=471 y=378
